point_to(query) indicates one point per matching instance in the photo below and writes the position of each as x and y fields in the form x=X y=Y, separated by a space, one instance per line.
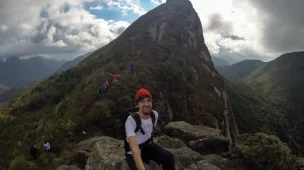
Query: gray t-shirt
x=130 y=126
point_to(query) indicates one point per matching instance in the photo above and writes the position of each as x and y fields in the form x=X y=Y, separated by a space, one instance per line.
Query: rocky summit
x=252 y=151
x=107 y=153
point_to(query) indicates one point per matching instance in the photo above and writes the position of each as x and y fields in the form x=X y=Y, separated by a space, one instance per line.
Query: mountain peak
x=179 y=1
x=171 y=60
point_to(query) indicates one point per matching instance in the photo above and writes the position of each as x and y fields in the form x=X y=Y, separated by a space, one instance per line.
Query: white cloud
x=126 y=6
x=224 y=20
x=65 y=28
x=242 y=28
x=156 y=2
x=4 y=28
x=96 y=8
x=59 y=43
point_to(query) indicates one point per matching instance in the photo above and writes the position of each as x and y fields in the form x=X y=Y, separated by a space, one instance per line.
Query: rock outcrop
x=83 y=149
x=259 y=151
x=202 y=139
x=67 y=167
x=203 y=165
x=219 y=161
x=109 y=154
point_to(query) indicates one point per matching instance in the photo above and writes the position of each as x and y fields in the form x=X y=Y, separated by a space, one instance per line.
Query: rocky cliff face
x=169 y=42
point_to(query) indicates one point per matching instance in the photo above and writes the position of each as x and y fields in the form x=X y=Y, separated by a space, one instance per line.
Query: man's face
x=145 y=105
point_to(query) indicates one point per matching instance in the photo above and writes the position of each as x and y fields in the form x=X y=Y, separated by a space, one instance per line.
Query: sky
x=65 y=29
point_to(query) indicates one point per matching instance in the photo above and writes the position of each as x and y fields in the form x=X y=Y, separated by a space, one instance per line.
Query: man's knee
x=169 y=162
x=170 y=157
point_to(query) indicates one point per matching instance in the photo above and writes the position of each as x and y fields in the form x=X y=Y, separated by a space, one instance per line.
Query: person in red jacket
x=107 y=86
x=114 y=76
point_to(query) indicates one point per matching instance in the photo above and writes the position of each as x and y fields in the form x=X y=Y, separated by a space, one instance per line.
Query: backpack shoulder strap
x=137 y=119
x=153 y=118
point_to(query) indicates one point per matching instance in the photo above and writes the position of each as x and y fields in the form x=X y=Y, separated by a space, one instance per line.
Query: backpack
x=133 y=112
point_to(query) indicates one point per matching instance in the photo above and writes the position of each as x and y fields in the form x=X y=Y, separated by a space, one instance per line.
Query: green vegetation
x=239 y=70
x=254 y=113
x=282 y=82
x=59 y=108
x=9 y=94
x=261 y=151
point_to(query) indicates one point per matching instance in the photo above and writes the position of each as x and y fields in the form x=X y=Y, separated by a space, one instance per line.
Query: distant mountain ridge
x=15 y=72
x=69 y=64
x=239 y=70
x=218 y=62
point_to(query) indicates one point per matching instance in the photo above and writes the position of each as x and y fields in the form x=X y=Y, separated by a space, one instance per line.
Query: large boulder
x=67 y=167
x=188 y=132
x=203 y=139
x=87 y=145
x=203 y=165
x=109 y=154
x=219 y=161
x=216 y=144
x=183 y=155
x=83 y=149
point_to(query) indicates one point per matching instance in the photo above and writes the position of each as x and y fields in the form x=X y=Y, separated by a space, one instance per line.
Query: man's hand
x=136 y=153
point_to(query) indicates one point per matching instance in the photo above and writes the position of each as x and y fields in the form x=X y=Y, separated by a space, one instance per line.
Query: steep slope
x=15 y=72
x=218 y=62
x=171 y=60
x=282 y=81
x=255 y=113
x=230 y=59
x=9 y=94
x=69 y=64
x=239 y=70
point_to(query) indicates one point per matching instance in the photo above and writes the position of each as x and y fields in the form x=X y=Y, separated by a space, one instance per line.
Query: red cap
x=142 y=92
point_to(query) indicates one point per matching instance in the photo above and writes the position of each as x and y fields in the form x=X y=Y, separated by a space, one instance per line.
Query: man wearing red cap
x=139 y=144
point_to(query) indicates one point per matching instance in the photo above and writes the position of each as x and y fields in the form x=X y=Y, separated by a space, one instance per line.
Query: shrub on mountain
x=262 y=151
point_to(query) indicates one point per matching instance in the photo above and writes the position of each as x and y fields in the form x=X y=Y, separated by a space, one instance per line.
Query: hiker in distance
x=114 y=76
x=132 y=67
x=33 y=150
x=138 y=137
x=47 y=146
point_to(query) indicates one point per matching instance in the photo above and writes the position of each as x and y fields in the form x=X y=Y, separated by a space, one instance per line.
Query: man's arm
x=136 y=153
x=110 y=74
x=130 y=127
